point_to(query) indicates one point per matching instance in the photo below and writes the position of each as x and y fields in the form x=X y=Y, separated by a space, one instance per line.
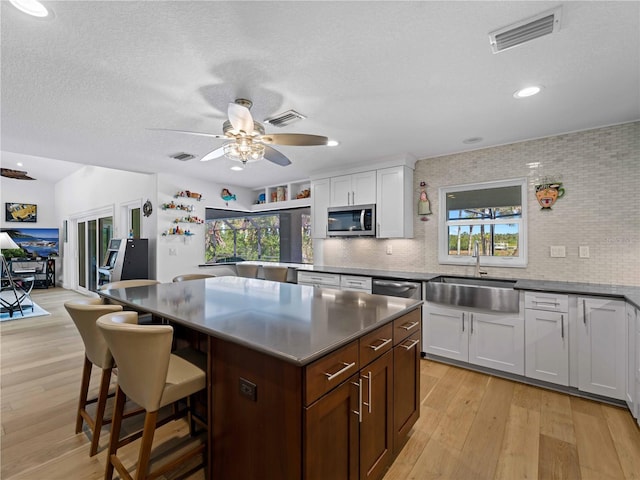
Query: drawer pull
x=410 y=346
x=409 y=326
x=553 y=304
x=347 y=366
x=385 y=341
x=562 y=326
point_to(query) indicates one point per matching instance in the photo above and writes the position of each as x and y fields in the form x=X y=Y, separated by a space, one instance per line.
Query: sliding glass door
x=93 y=235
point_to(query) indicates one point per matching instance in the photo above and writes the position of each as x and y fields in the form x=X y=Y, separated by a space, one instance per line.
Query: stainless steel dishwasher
x=396 y=288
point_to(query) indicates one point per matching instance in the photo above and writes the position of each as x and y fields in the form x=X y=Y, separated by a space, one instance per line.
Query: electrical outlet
x=558 y=251
x=584 y=251
x=389 y=249
x=248 y=389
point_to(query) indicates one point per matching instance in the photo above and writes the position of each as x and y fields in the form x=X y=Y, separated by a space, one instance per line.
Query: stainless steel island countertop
x=296 y=323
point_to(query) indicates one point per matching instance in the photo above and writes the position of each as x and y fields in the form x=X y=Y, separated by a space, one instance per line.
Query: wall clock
x=147 y=208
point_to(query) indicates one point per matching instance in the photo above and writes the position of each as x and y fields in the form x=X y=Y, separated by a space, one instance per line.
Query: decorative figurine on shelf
x=424 y=208
x=227 y=196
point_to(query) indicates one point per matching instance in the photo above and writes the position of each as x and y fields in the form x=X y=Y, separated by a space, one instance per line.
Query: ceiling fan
x=247 y=140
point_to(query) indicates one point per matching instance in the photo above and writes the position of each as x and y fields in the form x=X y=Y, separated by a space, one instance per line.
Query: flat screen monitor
x=114 y=244
x=111 y=259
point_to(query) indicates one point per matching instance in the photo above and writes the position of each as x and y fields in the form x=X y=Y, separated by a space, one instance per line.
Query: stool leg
x=102 y=403
x=114 y=439
x=84 y=390
x=145 y=447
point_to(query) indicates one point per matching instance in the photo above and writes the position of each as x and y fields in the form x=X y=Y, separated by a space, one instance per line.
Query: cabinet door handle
x=409 y=326
x=471 y=320
x=359 y=411
x=369 y=380
x=584 y=311
x=463 y=322
x=385 y=341
x=562 y=326
x=554 y=304
x=353 y=198
x=347 y=366
x=411 y=345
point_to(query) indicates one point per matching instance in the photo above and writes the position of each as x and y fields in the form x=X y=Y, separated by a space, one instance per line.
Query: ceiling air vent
x=183 y=157
x=284 y=118
x=525 y=30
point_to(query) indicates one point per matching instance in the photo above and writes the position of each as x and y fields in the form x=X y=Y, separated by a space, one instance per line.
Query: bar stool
x=84 y=314
x=247 y=270
x=150 y=375
x=275 y=273
x=191 y=276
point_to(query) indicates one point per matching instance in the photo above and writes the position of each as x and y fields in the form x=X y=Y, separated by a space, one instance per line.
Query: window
x=275 y=236
x=493 y=215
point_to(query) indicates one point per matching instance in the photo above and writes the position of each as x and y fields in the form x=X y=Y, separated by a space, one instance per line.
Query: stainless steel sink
x=481 y=293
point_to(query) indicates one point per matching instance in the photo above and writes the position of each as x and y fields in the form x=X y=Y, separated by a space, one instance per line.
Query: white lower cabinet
x=630 y=386
x=492 y=340
x=602 y=346
x=547 y=337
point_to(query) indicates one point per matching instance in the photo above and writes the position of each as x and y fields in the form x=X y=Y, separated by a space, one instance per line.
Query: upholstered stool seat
x=84 y=314
x=275 y=273
x=127 y=284
x=151 y=376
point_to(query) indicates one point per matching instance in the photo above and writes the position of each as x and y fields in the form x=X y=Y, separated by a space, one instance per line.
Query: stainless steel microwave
x=352 y=221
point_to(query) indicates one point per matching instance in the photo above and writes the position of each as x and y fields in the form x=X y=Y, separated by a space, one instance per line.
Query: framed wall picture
x=21 y=212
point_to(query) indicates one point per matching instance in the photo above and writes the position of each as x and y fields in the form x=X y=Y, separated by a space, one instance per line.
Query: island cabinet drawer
x=330 y=371
x=554 y=302
x=374 y=344
x=406 y=325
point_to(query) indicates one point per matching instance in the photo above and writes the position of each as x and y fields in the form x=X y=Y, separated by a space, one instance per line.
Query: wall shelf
x=284 y=195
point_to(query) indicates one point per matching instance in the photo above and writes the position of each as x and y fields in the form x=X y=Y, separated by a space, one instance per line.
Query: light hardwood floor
x=472 y=426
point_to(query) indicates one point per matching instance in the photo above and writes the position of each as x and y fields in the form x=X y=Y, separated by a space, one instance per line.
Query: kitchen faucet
x=476 y=253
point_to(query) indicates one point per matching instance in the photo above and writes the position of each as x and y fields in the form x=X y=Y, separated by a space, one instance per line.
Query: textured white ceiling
x=383 y=78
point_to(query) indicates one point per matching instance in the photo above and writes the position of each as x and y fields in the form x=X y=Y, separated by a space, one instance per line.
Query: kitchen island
x=303 y=382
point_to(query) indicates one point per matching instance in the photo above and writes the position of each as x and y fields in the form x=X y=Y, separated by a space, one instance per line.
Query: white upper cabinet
x=394 y=206
x=355 y=189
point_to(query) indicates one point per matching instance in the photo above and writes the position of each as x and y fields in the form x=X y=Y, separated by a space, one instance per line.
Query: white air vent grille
x=183 y=157
x=525 y=30
x=284 y=118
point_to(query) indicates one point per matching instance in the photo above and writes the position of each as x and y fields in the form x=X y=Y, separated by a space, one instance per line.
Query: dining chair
x=84 y=314
x=153 y=377
x=275 y=273
x=247 y=270
x=191 y=276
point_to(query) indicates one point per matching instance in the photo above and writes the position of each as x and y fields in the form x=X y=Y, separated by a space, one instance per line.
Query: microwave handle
x=362 y=219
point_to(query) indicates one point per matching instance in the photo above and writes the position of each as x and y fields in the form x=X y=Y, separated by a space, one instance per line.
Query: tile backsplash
x=600 y=171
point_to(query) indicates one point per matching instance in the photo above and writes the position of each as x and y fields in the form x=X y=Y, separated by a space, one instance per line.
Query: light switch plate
x=558 y=251
x=584 y=251
x=389 y=249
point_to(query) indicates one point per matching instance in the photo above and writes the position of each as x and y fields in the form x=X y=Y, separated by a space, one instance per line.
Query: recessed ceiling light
x=237 y=168
x=31 y=7
x=527 y=92
x=333 y=143
x=472 y=140
x=20 y=164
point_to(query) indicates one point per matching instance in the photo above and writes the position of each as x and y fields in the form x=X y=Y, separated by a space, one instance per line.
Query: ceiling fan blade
x=295 y=139
x=275 y=156
x=218 y=152
x=240 y=117
x=211 y=135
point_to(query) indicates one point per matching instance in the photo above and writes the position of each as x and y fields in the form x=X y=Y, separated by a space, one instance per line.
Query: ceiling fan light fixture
x=244 y=151
x=333 y=143
x=237 y=168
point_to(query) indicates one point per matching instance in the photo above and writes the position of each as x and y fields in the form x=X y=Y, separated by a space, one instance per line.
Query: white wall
x=38 y=192
x=177 y=254
x=93 y=188
x=600 y=170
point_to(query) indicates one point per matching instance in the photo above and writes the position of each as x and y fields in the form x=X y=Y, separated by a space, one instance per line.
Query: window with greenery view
x=491 y=214
x=275 y=236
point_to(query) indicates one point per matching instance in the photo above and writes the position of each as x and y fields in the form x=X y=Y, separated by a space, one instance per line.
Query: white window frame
x=443 y=241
